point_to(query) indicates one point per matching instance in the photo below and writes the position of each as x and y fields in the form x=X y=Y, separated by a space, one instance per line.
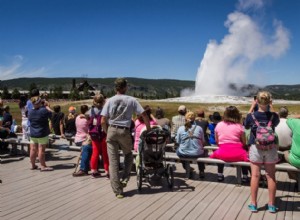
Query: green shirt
x=294 y=156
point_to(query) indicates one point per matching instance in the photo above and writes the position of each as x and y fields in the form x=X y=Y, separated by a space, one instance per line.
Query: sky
x=154 y=39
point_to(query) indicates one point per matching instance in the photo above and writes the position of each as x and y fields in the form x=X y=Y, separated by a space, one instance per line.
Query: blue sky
x=135 y=38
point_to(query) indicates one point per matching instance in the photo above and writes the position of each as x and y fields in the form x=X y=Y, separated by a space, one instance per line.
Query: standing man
x=117 y=114
x=178 y=121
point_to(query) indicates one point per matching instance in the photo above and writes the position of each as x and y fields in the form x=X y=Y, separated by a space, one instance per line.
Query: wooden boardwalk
x=27 y=194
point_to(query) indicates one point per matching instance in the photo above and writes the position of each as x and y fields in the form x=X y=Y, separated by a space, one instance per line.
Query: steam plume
x=230 y=61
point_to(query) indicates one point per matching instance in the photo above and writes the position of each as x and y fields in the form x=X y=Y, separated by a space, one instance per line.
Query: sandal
x=34 y=168
x=271 y=208
x=46 y=169
x=252 y=208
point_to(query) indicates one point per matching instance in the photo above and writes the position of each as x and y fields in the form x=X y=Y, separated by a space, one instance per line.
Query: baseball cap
x=182 y=108
x=72 y=109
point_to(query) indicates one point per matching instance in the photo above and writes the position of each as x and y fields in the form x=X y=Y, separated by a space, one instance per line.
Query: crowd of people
x=109 y=126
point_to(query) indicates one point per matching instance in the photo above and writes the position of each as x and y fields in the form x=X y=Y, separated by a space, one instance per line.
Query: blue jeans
x=186 y=164
x=86 y=157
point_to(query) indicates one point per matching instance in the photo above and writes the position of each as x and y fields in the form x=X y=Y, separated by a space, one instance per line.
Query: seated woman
x=81 y=126
x=57 y=121
x=86 y=154
x=293 y=156
x=4 y=130
x=69 y=123
x=190 y=138
x=139 y=125
x=230 y=137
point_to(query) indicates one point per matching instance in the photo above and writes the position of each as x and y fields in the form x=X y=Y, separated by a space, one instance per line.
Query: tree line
x=74 y=94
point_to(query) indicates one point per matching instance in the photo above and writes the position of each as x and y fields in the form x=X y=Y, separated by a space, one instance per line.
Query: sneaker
x=201 y=175
x=252 y=208
x=245 y=179
x=95 y=175
x=120 y=196
x=271 y=208
x=221 y=178
x=80 y=173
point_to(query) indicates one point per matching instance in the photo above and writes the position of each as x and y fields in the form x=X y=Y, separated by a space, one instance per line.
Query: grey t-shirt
x=119 y=109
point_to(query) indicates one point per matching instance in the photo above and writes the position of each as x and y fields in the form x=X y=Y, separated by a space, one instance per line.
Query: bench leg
x=238 y=175
x=14 y=149
x=298 y=182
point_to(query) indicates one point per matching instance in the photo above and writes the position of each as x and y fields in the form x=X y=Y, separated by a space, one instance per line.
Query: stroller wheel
x=170 y=176
x=139 y=177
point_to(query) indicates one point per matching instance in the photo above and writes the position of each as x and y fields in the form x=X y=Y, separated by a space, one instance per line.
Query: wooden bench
x=172 y=156
x=18 y=141
x=238 y=165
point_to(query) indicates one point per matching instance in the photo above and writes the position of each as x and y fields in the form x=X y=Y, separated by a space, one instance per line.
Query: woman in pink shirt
x=230 y=137
x=139 y=125
x=81 y=126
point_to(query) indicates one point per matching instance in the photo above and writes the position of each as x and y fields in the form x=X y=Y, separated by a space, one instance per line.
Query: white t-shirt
x=284 y=133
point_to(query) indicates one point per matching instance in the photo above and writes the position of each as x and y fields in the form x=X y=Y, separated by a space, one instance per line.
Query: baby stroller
x=151 y=157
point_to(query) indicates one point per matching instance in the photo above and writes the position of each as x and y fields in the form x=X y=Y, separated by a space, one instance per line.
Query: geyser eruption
x=230 y=61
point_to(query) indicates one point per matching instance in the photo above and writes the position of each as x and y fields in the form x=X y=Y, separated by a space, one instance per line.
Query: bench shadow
x=10 y=159
x=56 y=156
x=64 y=166
x=288 y=202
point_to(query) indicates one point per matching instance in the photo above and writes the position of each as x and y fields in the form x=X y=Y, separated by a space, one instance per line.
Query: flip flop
x=46 y=169
x=34 y=168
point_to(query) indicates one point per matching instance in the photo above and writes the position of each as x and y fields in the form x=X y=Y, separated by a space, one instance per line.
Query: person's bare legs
x=255 y=176
x=42 y=148
x=33 y=152
x=270 y=174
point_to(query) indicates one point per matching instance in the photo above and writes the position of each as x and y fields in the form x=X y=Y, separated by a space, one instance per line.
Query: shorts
x=263 y=156
x=41 y=140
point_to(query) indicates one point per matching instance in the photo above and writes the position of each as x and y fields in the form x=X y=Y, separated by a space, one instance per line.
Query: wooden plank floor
x=27 y=194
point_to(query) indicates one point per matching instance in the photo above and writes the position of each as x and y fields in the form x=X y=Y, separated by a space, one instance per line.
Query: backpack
x=265 y=135
x=191 y=134
x=95 y=129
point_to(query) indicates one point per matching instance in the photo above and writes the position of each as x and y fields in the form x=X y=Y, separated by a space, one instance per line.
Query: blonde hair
x=35 y=100
x=264 y=98
x=99 y=100
x=189 y=118
x=71 y=116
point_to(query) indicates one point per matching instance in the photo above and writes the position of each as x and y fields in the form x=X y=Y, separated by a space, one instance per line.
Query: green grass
x=170 y=108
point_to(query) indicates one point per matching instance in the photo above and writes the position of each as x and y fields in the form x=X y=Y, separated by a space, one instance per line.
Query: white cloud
x=16 y=69
x=250 y=4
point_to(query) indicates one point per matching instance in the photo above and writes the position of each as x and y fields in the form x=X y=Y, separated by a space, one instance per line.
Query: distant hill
x=146 y=88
